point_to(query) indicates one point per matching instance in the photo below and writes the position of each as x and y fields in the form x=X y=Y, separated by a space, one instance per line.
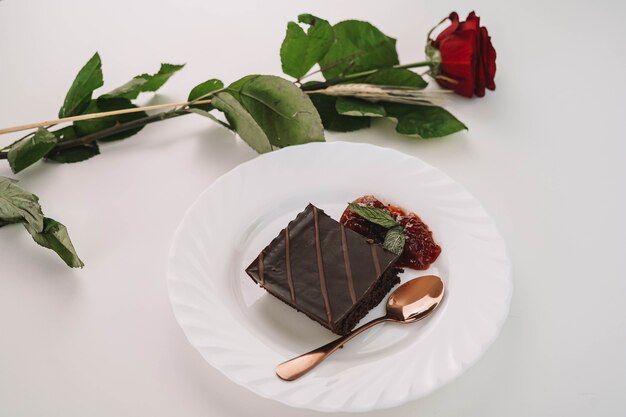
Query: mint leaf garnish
x=394 y=240
x=375 y=215
x=395 y=237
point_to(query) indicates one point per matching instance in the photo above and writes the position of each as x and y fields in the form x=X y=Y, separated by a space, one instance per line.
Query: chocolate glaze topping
x=288 y=266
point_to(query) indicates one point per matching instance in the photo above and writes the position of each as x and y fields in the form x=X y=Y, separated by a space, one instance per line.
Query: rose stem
x=97 y=115
x=122 y=127
x=357 y=75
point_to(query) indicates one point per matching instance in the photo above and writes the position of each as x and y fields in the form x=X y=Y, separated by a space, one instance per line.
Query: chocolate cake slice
x=325 y=270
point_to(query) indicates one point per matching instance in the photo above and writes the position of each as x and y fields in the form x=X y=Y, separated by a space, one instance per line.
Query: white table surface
x=544 y=153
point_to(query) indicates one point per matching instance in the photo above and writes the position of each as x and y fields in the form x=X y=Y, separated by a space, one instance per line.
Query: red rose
x=466 y=59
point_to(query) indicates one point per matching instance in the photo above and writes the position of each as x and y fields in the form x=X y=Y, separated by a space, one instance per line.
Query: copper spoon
x=410 y=302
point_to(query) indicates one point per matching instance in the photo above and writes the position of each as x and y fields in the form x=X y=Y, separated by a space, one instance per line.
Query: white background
x=544 y=153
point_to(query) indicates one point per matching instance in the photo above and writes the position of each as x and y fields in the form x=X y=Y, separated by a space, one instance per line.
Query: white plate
x=244 y=332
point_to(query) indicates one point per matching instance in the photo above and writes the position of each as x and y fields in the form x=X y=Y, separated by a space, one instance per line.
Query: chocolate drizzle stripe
x=320 y=268
x=346 y=260
x=261 y=274
x=288 y=265
x=376 y=261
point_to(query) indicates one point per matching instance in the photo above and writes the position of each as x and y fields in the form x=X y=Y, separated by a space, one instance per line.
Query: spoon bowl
x=410 y=302
x=415 y=299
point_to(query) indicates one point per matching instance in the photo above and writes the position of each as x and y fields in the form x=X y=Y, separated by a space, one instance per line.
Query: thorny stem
x=118 y=128
x=181 y=111
x=110 y=131
x=8 y=147
x=122 y=127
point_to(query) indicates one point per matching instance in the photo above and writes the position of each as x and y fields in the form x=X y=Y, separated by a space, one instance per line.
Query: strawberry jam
x=420 y=249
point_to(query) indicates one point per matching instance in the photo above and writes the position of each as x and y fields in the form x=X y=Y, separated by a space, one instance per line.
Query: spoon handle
x=300 y=365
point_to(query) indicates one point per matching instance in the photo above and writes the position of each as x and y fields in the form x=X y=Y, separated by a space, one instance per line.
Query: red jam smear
x=420 y=249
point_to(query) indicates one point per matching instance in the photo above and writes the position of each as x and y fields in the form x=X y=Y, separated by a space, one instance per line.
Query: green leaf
x=243 y=123
x=400 y=77
x=54 y=236
x=358 y=46
x=375 y=215
x=202 y=90
x=76 y=153
x=130 y=90
x=300 y=50
x=65 y=133
x=7 y=222
x=88 y=79
x=144 y=82
x=87 y=127
x=235 y=88
x=394 y=240
x=349 y=106
x=31 y=149
x=423 y=121
x=17 y=204
x=284 y=112
x=326 y=107
x=208 y=115
x=157 y=80
x=20 y=206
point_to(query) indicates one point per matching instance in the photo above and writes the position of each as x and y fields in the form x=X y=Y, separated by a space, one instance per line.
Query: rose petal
x=479 y=85
x=471 y=23
x=458 y=61
x=488 y=55
x=454 y=24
